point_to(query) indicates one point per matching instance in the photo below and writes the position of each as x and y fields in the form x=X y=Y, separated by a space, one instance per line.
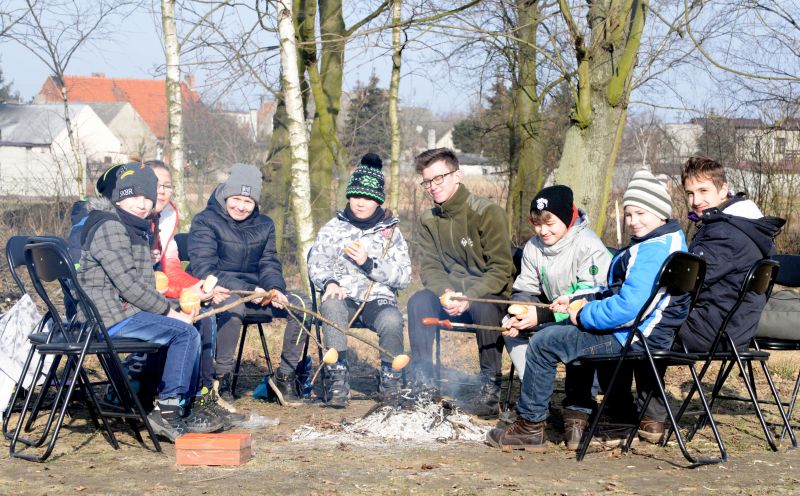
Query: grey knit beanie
x=648 y=192
x=135 y=179
x=244 y=180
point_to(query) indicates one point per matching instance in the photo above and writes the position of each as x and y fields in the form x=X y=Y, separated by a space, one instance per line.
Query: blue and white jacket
x=631 y=277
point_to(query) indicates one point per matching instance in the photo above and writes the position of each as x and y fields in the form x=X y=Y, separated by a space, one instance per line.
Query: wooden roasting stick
x=446 y=324
x=445 y=298
x=399 y=362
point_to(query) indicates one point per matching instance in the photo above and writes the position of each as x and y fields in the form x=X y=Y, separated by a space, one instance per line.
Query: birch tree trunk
x=175 y=146
x=394 y=122
x=605 y=68
x=298 y=137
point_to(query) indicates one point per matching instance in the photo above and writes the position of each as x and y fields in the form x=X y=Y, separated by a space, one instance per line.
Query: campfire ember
x=417 y=416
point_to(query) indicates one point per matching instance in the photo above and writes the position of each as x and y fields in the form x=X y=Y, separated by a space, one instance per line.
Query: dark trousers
x=425 y=303
x=229 y=326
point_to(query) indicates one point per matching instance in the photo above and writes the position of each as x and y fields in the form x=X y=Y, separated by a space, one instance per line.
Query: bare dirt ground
x=85 y=463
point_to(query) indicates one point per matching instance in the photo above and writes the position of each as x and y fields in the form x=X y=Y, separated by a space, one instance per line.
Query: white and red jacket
x=179 y=279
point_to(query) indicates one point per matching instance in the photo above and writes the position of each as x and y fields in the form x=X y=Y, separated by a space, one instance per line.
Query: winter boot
x=287 y=384
x=389 y=385
x=487 y=404
x=225 y=388
x=522 y=434
x=339 y=389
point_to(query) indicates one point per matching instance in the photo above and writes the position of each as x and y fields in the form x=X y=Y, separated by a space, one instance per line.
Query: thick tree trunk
x=526 y=152
x=279 y=174
x=323 y=130
x=605 y=68
x=394 y=122
x=298 y=137
x=175 y=145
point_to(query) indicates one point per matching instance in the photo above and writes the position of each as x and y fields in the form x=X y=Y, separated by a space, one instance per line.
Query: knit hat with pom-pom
x=367 y=179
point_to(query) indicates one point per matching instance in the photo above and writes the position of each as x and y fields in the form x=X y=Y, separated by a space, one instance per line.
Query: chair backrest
x=182 y=240
x=15 y=254
x=48 y=261
x=789 y=274
x=681 y=274
x=759 y=280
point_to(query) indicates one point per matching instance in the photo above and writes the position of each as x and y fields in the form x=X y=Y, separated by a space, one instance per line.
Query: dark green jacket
x=465 y=246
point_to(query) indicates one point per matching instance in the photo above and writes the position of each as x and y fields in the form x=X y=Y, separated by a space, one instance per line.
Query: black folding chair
x=15 y=255
x=789 y=276
x=681 y=276
x=759 y=281
x=48 y=261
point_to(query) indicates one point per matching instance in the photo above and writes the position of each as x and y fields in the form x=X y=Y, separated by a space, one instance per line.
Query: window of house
x=780 y=145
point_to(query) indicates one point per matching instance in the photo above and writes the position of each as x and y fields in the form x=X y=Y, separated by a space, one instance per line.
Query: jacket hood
x=761 y=231
x=580 y=224
x=100 y=203
x=215 y=205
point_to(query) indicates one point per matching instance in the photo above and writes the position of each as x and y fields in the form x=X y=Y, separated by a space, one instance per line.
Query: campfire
x=417 y=416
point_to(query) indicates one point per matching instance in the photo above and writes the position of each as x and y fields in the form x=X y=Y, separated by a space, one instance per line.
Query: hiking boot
x=650 y=430
x=487 y=404
x=166 y=421
x=204 y=421
x=339 y=390
x=224 y=389
x=521 y=434
x=575 y=424
x=287 y=384
x=209 y=401
x=389 y=385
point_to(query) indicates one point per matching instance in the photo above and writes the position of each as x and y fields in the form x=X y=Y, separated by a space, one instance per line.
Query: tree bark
x=175 y=144
x=394 y=122
x=298 y=137
x=605 y=68
x=80 y=166
x=526 y=150
x=280 y=174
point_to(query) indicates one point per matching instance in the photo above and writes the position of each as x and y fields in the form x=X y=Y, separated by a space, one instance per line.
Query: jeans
x=229 y=325
x=179 y=379
x=554 y=344
x=425 y=303
x=380 y=315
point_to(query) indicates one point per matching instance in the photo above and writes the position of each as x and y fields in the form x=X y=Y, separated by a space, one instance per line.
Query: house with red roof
x=148 y=97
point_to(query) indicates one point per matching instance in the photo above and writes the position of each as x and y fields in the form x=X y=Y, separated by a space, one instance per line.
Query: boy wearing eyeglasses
x=465 y=251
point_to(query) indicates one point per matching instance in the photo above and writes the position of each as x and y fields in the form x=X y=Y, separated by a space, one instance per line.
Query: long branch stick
x=449 y=325
x=224 y=308
x=502 y=302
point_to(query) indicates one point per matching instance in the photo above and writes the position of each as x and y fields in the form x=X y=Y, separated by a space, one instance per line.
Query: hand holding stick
x=267 y=298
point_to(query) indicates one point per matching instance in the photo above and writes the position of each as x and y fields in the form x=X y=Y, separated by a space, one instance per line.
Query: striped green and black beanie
x=367 y=179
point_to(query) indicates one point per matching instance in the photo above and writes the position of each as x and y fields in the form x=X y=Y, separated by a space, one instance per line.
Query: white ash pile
x=419 y=418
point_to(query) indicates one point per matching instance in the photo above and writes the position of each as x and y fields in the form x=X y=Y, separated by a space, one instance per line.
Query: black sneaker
x=166 y=421
x=339 y=389
x=225 y=388
x=487 y=404
x=208 y=402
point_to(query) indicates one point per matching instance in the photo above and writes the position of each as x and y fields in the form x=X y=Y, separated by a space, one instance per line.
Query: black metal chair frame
x=48 y=261
x=681 y=274
x=182 y=240
x=759 y=280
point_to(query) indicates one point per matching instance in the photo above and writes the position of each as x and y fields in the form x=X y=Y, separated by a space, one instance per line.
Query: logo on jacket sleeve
x=466 y=242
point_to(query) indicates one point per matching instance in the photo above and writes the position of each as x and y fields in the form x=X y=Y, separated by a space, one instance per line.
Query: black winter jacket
x=242 y=255
x=731 y=244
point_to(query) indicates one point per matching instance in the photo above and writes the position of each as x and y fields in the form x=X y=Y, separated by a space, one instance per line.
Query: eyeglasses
x=163 y=188
x=437 y=180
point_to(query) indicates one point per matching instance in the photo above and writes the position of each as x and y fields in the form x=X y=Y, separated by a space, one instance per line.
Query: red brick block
x=213 y=449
